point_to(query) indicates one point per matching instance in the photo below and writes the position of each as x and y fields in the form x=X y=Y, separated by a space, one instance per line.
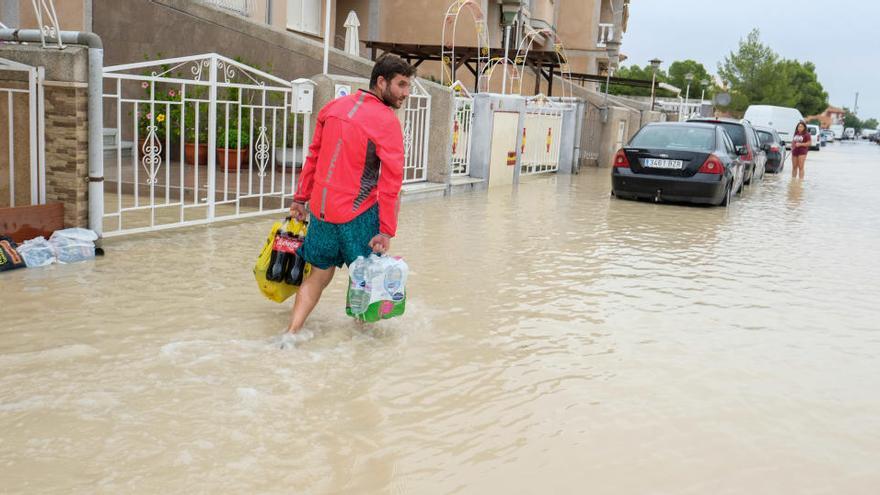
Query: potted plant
x=232 y=147
x=190 y=148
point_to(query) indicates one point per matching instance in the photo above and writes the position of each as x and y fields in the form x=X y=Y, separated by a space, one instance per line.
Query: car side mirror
x=765 y=146
x=742 y=151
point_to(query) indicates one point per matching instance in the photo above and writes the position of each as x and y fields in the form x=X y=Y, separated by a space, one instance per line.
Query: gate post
x=212 y=138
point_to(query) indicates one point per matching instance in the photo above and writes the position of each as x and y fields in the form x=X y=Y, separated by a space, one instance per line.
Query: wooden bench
x=26 y=222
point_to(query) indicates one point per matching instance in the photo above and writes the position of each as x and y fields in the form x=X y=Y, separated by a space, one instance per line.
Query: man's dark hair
x=389 y=65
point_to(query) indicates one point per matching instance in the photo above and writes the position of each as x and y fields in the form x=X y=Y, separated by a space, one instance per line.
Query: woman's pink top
x=802 y=137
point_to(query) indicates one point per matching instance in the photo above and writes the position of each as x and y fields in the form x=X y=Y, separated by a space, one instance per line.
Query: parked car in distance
x=743 y=134
x=774 y=147
x=823 y=138
x=679 y=161
x=815 y=143
x=783 y=119
x=849 y=133
x=829 y=135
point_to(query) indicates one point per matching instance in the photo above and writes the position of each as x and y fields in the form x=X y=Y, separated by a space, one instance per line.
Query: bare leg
x=801 y=168
x=794 y=166
x=309 y=293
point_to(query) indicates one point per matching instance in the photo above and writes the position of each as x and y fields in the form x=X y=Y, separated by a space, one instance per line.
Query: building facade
x=582 y=27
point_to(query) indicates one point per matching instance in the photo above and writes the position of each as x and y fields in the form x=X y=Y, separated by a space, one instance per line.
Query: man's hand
x=380 y=244
x=298 y=211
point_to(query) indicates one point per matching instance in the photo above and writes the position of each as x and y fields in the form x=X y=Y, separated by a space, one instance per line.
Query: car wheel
x=728 y=195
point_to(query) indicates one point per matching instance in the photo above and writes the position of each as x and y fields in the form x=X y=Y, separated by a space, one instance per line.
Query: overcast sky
x=842 y=37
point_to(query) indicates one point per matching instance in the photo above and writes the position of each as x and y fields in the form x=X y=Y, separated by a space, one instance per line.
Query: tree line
x=754 y=74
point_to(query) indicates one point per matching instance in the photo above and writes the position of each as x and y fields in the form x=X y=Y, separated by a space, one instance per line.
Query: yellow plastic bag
x=277 y=291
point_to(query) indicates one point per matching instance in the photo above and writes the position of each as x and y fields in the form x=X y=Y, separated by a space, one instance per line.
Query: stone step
x=109 y=137
x=110 y=150
x=459 y=185
x=423 y=190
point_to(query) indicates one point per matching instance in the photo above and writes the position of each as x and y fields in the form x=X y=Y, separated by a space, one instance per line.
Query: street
x=555 y=337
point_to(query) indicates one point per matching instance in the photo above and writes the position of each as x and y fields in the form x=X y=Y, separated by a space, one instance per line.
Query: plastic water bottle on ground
x=359 y=286
x=37 y=252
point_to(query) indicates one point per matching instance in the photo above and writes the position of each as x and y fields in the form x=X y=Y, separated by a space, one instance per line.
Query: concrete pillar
x=66 y=124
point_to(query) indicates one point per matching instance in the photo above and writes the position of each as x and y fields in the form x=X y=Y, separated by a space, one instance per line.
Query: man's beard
x=389 y=98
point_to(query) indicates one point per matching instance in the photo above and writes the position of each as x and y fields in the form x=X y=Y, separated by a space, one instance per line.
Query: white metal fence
x=416 y=129
x=541 y=137
x=606 y=34
x=196 y=139
x=461 y=135
x=21 y=86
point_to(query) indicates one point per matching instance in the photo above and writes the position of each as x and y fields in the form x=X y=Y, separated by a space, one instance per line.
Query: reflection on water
x=795 y=192
x=556 y=340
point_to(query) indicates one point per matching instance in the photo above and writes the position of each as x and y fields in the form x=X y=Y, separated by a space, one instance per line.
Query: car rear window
x=737 y=133
x=675 y=138
x=813 y=131
x=766 y=137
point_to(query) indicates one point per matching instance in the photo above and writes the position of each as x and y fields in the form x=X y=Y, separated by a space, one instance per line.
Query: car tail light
x=620 y=160
x=712 y=165
x=748 y=156
x=774 y=148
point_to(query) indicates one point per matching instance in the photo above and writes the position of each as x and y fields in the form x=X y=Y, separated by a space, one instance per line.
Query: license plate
x=662 y=163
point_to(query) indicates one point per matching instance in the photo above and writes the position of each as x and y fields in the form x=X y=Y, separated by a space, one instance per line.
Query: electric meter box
x=303 y=95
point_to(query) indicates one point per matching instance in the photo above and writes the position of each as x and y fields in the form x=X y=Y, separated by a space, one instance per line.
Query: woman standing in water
x=800 y=146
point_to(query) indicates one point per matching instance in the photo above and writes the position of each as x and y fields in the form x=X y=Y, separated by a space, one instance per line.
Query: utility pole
x=856 y=106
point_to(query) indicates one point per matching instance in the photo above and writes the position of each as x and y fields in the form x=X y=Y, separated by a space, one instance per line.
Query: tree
x=758 y=76
x=750 y=71
x=641 y=73
x=801 y=87
x=870 y=124
x=679 y=69
x=851 y=120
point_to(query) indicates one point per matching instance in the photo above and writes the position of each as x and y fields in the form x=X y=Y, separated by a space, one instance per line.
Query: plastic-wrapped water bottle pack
x=377 y=288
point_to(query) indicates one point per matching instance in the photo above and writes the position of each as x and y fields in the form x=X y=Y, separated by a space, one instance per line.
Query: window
x=304 y=16
x=728 y=144
x=675 y=137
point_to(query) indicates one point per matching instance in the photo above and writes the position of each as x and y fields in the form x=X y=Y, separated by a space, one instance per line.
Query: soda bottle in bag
x=296 y=265
x=359 y=286
x=278 y=259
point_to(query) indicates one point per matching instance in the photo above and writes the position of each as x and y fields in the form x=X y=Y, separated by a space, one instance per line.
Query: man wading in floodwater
x=351 y=180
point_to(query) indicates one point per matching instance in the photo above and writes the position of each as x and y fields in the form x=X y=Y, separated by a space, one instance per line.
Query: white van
x=837 y=129
x=783 y=119
x=815 y=138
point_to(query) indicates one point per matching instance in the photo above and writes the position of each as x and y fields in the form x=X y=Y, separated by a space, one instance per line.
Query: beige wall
x=71 y=15
x=544 y=10
x=579 y=29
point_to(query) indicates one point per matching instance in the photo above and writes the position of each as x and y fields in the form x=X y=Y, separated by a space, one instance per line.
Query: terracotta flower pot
x=237 y=158
x=189 y=153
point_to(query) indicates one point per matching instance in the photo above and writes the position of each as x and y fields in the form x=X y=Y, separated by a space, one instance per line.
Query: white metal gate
x=462 y=122
x=416 y=130
x=196 y=139
x=541 y=136
x=20 y=84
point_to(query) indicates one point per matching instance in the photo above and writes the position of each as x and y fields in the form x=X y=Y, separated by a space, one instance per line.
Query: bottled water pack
x=377 y=288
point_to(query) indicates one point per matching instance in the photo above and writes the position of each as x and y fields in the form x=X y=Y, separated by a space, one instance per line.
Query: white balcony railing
x=243 y=7
x=606 y=34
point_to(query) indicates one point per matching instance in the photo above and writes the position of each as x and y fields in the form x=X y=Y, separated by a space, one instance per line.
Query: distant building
x=831 y=116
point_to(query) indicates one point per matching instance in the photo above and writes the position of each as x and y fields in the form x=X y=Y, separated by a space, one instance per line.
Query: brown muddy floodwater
x=556 y=341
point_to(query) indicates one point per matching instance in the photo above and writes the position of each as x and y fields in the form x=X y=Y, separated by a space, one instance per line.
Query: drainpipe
x=96 y=112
